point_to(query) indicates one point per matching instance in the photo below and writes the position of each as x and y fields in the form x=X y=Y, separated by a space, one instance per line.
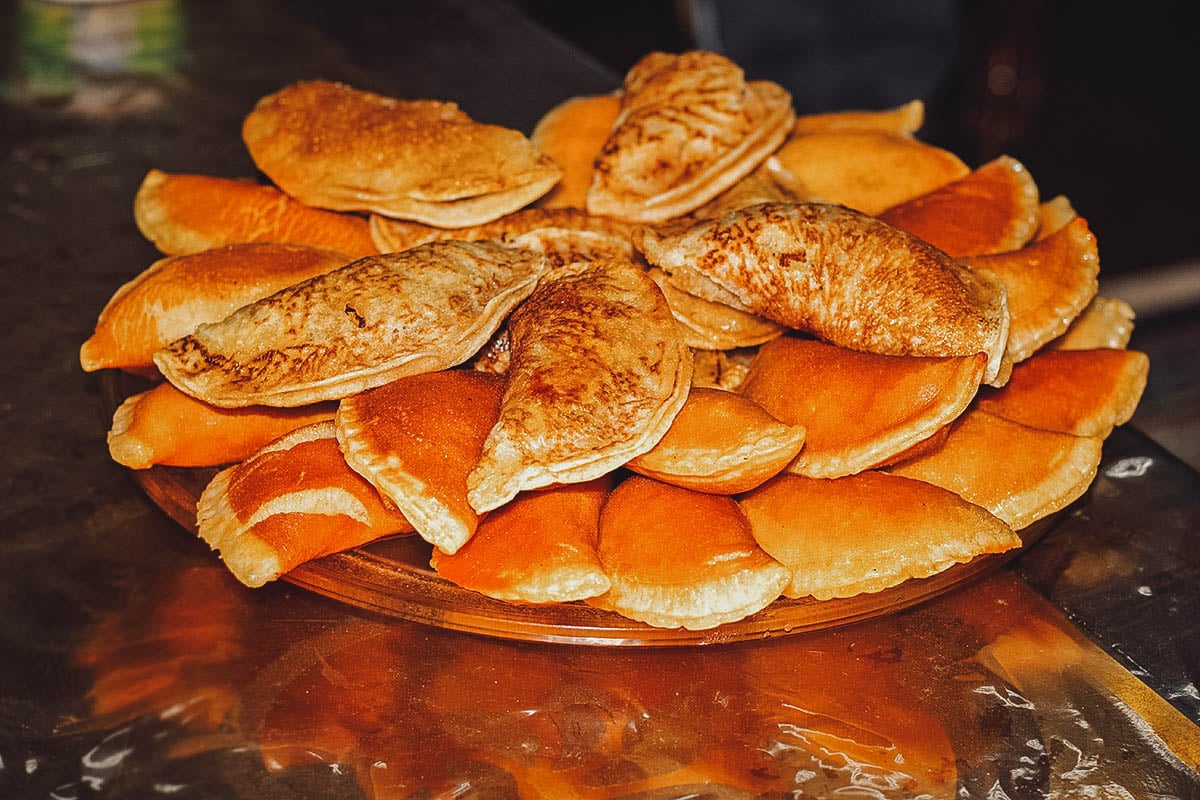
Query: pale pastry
x=359 y=326
x=690 y=127
x=293 y=501
x=844 y=276
x=708 y=325
x=1106 y=322
x=332 y=146
x=598 y=372
x=175 y=295
x=183 y=213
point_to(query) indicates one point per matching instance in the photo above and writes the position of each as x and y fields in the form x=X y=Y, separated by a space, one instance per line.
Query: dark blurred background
x=1095 y=98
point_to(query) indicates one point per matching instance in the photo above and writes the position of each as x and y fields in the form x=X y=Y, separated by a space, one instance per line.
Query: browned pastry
x=538 y=548
x=690 y=127
x=359 y=326
x=598 y=373
x=184 y=214
x=293 y=501
x=416 y=438
x=336 y=147
x=904 y=120
x=708 y=325
x=991 y=210
x=563 y=235
x=844 y=276
x=165 y=426
x=859 y=409
x=867 y=532
x=175 y=295
x=572 y=133
x=713 y=573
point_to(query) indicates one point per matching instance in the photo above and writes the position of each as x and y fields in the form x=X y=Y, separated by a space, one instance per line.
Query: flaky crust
x=363 y=325
x=336 y=147
x=844 y=276
x=690 y=127
x=598 y=373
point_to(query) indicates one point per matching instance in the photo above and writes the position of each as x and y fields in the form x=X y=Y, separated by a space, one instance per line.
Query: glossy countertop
x=133 y=665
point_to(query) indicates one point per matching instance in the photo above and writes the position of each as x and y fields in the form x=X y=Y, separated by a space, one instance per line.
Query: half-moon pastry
x=598 y=372
x=293 y=501
x=904 y=120
x=991 y=210
x=165 y=426
x=844 y=276
x=1107 y=322
x=538 y=548
x=867 y=532
x=572 y=133
x=1047 y=283
x=707 y=325
x=184 y=214
x=416 y=439
x=859 y=409
x=363 y=325
x=1053 y=216
x=867 y=170
x=563 y=235
x=175 y=295
x=1081 y=392
x=715 y=573
x=332 y=146
x=1018 y=473
x=720 y=443
x=690 y=127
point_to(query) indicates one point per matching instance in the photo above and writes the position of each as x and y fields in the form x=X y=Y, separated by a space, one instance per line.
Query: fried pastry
x=165 y=426
x=865 y=169
x=416 y=438
x=867 y=532
x=1081 y=392
x=720 y=443
x=572 y=134
x=1039 y=472
x=539 y=548
x=844 y=276
x=598 y=372
x=293 y=501
x=716 y=574
x=563 y=235
x=1047 y=283
x=859 y=409
x=363 y=325
x=1054 y=215
x=332 y=146
x=707 y=325
x=721 y=369
x=690 y=127
x=175 y=295
x=991 y=210
x=1107 y=322
x=184 y=214
x=903 y=120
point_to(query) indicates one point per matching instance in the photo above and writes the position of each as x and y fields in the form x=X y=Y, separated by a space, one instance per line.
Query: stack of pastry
x=677 y=354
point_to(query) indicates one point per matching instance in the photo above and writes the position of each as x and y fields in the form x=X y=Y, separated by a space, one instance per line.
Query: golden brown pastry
x=993 y=209
x=563 y=235
x=165 y=426
x=175 y=295
x=598 y=372
x=359 y=326
x=293 y=501
x=1018 y=473
x=333 y=146
x=904 y=120
x=572 y=133
x=539 y=548
x=844 y=276
x=867 y=532
x=184 y=214
x=859 y=409
x=1048 y=283
x=1107 y=322
x=708 y=325
x=690 y=127
x=678 y=558
x=1081 y=392
x=416 y=439
x=720 y=443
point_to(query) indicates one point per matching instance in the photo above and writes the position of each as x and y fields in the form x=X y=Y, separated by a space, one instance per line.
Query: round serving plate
x=393 y=577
